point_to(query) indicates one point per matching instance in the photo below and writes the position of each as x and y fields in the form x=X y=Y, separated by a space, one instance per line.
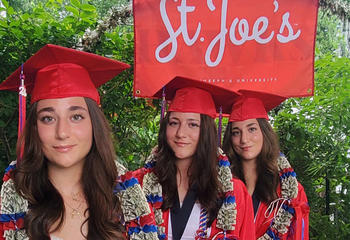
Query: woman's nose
x=62 y=129
x=244 y=137
x=180 y=132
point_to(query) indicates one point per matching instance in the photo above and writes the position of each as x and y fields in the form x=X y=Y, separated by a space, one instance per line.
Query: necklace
x=78 y=201
x=14 y=207
x=226 y=218
x=75 y=211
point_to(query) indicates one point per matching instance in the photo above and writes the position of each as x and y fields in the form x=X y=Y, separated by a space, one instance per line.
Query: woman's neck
x=182 y=177
x=250 y=175
x=66 y=180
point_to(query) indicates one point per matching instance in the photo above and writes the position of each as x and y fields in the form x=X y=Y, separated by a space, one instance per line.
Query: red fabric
x=66 y=80
x=245 y=216
x=193 y=100
x=252 y=104
x=301 y=206
x=1 y=232
x=143 y=220
x=57 y=72
x=241 y=44
x=166 y=222
x=12 y=225
x=244 y=229
x=21 y=114
x=197 y=100
x=19 y=224
x=248 y=108
x=1 y=227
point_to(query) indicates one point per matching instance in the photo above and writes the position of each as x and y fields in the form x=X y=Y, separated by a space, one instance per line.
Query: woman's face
x=65 y=130
x=182 y=133
x=247 y=139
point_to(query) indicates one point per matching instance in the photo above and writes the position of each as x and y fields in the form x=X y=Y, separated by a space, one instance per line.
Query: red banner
x=261 y=45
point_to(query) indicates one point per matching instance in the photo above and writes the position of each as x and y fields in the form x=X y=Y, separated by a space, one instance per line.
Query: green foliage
x=329 y=38
x=22 y=34
x=315 y=134
x=64 y=23
x=134 y=121
x=103 y=6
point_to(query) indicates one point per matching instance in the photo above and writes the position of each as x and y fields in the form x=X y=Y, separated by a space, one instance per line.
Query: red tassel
x=21 y=110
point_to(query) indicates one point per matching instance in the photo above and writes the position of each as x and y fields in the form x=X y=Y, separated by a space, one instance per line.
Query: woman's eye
x=172 y=123
x=252 y=129
x=235 y=133
x=193 y=125
x=46 y=119
x=77 y=117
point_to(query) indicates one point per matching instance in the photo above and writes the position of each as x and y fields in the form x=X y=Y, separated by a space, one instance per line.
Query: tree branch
x=122 y=16
x=118 y=16
x=336 y=7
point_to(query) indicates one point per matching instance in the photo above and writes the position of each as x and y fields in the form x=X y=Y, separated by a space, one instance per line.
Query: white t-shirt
x=55 y=238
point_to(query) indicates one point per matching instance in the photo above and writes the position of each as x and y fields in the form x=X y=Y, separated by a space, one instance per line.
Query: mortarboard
x=252 y=104
x=189 y=95
x=58 y=72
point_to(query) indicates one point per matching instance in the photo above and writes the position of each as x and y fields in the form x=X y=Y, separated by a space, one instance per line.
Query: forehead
x=245 y=123
x=58 y=103
x=185 y=116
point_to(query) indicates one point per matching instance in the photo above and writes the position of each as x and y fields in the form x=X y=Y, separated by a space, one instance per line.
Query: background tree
x=70 y=24
x=314 y=131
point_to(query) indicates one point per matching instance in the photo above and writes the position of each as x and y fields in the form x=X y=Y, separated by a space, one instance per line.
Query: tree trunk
x=327 y=194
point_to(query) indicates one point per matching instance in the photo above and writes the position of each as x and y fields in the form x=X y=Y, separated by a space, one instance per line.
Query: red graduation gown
x=244 y=229
x=299 y=228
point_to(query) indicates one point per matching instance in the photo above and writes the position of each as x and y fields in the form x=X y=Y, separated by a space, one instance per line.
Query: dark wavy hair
x=202 y=171
x=46 y=205
x=267 y=168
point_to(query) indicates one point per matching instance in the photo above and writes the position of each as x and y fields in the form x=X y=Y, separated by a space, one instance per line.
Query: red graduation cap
x=59 y=72
x=189 y=95
x=252 y=104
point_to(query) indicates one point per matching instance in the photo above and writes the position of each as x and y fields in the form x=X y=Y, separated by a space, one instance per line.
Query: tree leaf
x=88 y=7
x=5 y=3
x=75 y=3
x=73 y=10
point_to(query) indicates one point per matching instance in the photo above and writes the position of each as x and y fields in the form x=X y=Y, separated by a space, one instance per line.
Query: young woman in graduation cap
x=280 y=205
x=187 y=179
x=65 y=183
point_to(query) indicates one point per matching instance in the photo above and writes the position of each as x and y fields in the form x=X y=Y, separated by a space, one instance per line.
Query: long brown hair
x=202 y=171
x=46 y=205
x=268 y=179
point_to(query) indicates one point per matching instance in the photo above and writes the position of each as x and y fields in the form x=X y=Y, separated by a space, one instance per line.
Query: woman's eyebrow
x=251 y=124
x=173 y=118
x=194 y=120
x=248 y=125
x=73 y=108
x=46 y=109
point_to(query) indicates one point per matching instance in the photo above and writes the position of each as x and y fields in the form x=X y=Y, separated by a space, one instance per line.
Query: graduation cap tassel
x=21 y=108
x=163 y=104
x=220 y=127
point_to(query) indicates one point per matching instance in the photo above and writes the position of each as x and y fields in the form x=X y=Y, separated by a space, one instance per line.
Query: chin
x=249 y=158
x=183 y=157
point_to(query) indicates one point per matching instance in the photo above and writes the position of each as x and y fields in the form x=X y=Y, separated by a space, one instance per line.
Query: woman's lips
x=181 y=144
x=245 y=148
x=63 y=148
